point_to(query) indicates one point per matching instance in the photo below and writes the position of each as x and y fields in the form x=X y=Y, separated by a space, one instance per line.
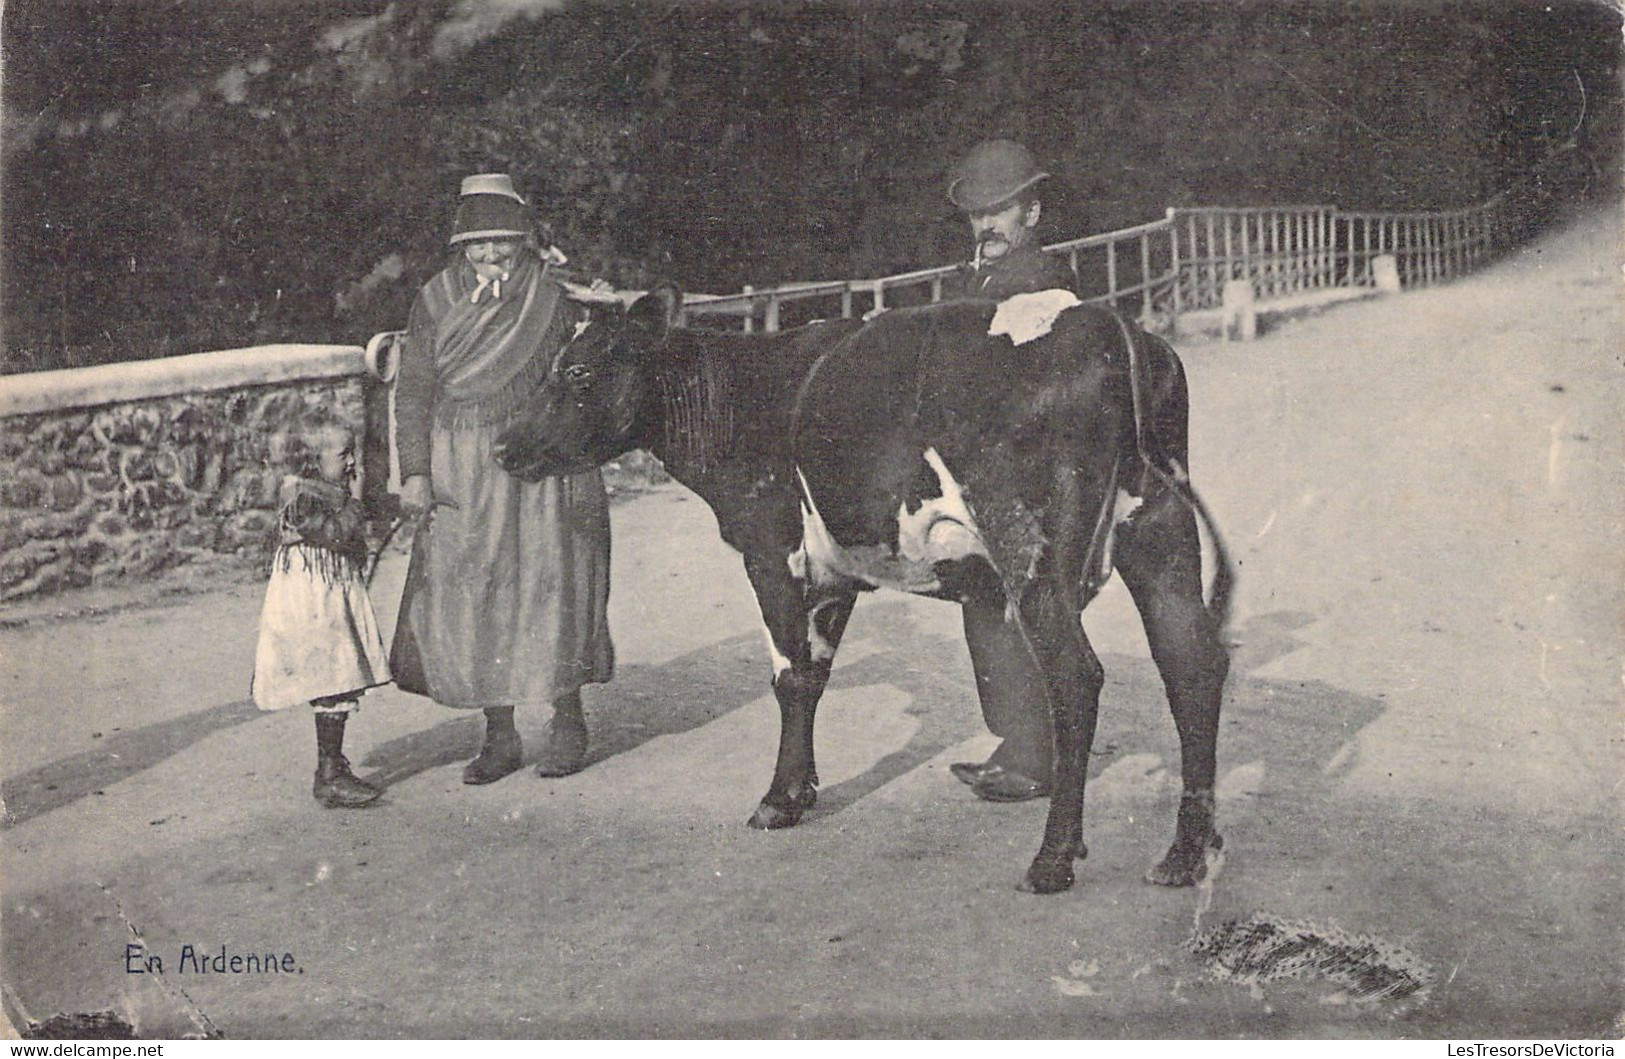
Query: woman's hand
x=417 y=496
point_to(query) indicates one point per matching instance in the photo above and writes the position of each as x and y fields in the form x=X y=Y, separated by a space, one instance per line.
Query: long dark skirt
x=506 y=594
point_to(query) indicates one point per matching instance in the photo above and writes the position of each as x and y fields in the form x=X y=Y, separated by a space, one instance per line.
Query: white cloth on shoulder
x=1027 y=316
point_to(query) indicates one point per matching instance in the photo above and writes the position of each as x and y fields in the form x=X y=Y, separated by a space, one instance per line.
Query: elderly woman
x=509 y=580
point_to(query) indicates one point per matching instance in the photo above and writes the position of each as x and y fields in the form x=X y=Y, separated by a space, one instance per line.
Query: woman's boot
x=336 y=786
x=564 y=742
x=502 y=753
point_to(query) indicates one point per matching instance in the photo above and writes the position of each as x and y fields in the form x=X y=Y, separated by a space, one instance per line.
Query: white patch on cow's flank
x=943 y=528
x=821 y=556
x=797 y=562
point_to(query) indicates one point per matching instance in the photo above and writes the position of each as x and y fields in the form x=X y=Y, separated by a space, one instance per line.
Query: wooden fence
x=1293 y=252
x=1181 y=264
x=1158 y=271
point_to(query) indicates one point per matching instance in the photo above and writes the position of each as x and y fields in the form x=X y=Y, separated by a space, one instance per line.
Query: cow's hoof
x=1051 y=873
x=1184 y=865
x=1048 y=876
x=776 y=813
x=771 y=818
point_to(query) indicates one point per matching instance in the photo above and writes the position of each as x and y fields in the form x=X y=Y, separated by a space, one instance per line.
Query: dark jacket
x=1024 y=269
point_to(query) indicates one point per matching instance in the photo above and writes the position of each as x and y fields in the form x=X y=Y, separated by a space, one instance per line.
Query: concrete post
x=1240 y=313
x=1385 y=272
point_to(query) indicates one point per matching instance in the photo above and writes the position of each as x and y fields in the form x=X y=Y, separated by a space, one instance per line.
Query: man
x=997 y=186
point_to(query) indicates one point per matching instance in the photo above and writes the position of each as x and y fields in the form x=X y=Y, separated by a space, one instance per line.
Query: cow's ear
x=658 y=310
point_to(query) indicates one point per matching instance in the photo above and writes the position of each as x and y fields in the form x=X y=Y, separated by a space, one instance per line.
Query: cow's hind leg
x=1074 y=676
x=1159 y=556
x=803 y=633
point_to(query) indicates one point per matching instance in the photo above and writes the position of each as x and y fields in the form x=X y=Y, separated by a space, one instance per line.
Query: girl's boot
x=564 y=743
x=336 y=786
x=502 y=753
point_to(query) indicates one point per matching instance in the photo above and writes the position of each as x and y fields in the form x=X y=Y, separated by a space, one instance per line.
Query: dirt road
x=1421 y=745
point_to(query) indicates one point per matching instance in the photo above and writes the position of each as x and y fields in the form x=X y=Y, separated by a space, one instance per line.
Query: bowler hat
x=994 y=172
x=489 y=208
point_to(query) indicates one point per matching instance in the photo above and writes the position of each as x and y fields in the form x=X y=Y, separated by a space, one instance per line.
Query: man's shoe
x=970 y=772
x=999 y=784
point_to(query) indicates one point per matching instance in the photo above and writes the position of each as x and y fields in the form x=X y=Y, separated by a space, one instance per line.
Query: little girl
x=319 y=640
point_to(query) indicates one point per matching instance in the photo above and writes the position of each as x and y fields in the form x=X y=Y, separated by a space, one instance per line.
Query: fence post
x=1111 y=272
x=1211 y=257
x=1173 y=265
x=750 y=308
x=1246 y=220
x=1145 y=273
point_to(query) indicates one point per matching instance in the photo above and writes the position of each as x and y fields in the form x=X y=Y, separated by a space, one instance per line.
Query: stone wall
x=89 y=496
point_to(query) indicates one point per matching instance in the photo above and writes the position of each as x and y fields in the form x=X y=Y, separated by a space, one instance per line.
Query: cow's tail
x=1221 y=592
x=1177 y=480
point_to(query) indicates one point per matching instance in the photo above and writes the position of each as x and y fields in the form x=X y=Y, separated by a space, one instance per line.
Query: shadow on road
x=1295 y=726
x=447 y=743
x=115 y=757
x=640 y=704
x=1267 y=637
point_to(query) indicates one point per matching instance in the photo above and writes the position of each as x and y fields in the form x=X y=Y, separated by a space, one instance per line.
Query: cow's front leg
x=803 y=631
x=1074 y=677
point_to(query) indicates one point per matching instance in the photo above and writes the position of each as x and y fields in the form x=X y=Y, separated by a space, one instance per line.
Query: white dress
x=319 y=637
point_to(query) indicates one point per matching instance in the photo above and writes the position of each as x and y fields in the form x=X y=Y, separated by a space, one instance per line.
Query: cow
x=919 y=452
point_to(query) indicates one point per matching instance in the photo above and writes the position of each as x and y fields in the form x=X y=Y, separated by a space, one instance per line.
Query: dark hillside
x=182 y=175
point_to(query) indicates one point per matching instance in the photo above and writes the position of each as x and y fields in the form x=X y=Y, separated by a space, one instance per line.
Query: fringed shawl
x=490 y=345
x=321 y=517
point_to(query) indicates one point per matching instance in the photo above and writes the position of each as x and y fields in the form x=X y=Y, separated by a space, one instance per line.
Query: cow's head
x=589 y=408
